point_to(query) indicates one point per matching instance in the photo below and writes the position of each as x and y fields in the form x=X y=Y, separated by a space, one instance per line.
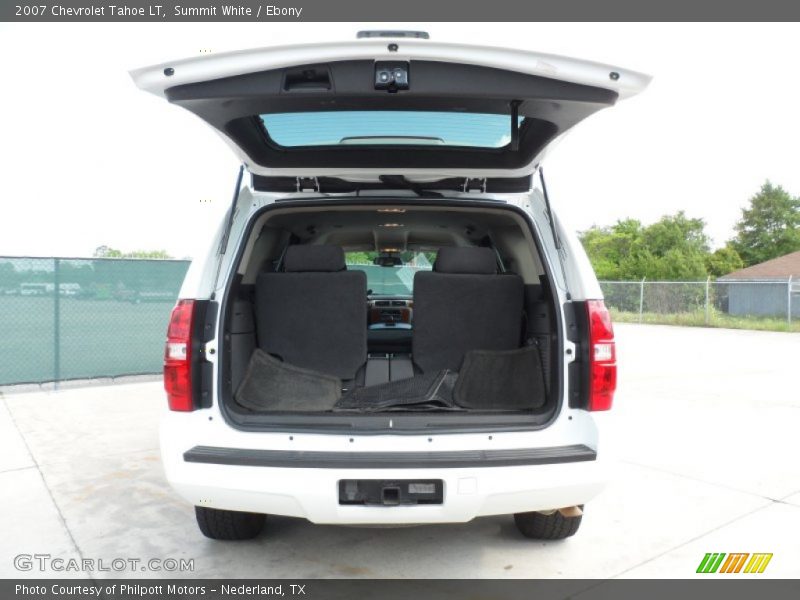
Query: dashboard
x=390 y=324
x=390 y=311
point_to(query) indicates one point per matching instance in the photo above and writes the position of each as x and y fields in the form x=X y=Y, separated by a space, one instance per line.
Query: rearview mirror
x=387 y=260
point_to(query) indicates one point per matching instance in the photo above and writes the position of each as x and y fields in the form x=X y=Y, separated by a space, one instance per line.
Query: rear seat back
x=314 y=313
x=463 y=305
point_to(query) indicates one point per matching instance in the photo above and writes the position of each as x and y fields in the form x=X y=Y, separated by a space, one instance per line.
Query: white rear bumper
x=312 y=493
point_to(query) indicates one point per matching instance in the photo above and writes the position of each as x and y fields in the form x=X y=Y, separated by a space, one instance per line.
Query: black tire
x=547 y=527
x=228 y=524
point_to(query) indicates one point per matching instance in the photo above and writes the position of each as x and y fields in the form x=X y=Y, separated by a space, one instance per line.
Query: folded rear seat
x=464 y=304
x=314 y=314
x=313 y=318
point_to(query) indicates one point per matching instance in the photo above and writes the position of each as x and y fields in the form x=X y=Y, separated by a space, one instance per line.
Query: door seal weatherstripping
x=223 y=244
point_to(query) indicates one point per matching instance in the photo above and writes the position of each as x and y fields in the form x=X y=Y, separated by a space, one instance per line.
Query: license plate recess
x=390 y=492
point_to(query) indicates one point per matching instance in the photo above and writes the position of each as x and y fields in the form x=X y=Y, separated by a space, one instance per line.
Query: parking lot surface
x=702 y=436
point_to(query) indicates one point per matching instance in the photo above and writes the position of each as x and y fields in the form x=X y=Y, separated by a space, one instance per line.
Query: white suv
x=391 y=326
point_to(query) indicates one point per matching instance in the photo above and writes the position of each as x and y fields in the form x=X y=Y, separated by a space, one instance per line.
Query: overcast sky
x=87 y=159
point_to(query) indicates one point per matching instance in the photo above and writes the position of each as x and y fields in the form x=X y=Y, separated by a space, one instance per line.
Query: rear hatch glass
x=387 y=128
x=385 y=278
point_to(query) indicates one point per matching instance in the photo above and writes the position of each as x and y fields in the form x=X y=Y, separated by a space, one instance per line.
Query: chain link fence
x=76 y=318
x=705 y=302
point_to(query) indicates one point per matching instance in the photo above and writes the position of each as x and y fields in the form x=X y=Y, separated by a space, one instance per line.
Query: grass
x=697 y=318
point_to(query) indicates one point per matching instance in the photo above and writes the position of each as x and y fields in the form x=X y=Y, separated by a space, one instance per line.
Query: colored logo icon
x=742 y=562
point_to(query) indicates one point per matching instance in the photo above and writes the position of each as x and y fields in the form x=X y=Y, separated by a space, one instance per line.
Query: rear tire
x=228 y=524
x=547 y=527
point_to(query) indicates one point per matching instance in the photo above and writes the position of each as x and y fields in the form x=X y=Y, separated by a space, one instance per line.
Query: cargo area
x=370 y=313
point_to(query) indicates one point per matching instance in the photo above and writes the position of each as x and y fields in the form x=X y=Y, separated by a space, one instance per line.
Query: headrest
x=467 y=260
x=317 y=258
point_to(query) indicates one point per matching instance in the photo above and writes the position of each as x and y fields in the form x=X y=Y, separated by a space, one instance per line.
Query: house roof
x=778 y=268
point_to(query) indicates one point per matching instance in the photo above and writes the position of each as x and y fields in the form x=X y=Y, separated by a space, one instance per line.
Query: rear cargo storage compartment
x=390 y=314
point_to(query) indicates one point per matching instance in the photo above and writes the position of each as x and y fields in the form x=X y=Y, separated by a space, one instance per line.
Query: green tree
x=723 y=261
x=769 y=226
x=148 y=254
x=107 y=252
x=673 y=248
x=608 y=246
x=676 y=232
x=360 y=258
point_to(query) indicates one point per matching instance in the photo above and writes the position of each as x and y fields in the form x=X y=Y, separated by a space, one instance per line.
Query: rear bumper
x=305 y=483
x=313 y=493
x=293 y=459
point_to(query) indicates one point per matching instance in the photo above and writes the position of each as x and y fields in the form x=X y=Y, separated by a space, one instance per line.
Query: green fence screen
x=76 y=318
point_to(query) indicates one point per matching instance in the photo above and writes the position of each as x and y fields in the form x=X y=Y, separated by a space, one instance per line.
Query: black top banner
x=397 y=10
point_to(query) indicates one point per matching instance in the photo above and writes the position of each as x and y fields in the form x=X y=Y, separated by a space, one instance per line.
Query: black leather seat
x=314 y=313
x=463 y=305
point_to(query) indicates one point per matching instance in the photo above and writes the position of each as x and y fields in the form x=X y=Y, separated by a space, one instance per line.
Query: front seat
x=463 y=305
x=313 y=314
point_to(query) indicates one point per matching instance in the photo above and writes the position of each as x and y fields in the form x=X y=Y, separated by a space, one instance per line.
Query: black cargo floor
x=433 y=391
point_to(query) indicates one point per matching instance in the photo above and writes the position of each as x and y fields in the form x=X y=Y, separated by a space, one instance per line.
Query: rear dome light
x=178 y=357
x=602 y=357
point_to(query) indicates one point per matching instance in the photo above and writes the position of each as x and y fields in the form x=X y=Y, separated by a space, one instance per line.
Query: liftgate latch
x=307 y=184
x=476 y=185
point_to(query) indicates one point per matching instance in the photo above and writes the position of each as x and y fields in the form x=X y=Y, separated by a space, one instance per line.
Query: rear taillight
x=178 y=357
x=602 y=357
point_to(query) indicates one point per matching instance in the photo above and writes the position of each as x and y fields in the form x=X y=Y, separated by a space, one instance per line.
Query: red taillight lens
x=602 y=357
x=178 y=357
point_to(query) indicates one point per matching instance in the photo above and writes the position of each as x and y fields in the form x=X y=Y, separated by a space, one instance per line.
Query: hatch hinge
x=307 y=184
x=475 y=185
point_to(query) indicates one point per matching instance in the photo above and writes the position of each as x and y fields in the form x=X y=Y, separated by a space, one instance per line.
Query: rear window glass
x=388 y=127
x=390 y=280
